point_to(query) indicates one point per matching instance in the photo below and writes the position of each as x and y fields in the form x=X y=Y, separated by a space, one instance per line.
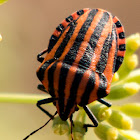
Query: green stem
x=83 y=117
x=24 y=98
x=78 y=115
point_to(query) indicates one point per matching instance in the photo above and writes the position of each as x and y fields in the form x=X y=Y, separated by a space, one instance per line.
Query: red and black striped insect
x=84 y=52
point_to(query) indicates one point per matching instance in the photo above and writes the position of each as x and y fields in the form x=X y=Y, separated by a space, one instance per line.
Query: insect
x=83 y=54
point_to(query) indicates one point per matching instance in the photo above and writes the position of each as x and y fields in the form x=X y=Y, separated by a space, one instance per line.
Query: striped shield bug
x=83 y=54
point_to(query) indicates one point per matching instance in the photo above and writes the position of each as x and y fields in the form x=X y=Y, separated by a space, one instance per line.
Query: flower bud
x=133 y=76
x=130 y=134
x=78 y=130
x=115 y=77
x=120 y=120
x=77 y=136
x=60 y=127
x=120 y=137
x=106 y=132
x=131 y=109
x=3 y=1
x=101 y=111
x=132 y=62
x=132 y=88
x=123 y=91
x=0 y=37
x=133 y=42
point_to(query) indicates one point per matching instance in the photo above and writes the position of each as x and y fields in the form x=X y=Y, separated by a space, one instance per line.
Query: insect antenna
x=40 y=127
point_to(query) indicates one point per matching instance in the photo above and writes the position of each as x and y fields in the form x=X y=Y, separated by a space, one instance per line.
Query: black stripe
x=121 y=35
x=65 y=40
x=98 y=30
x=73 y=90
x=104 y=54
x=122 y=47
x=51 y=79
x=119 y=61
x=115 y=56
x=88 y=90
x=62 y=80
x=80 y=12
x=40 y=73
x=52 y=42
x=53 y=38
x=70 y=57
x=86 y=60
x=69 y=19
x=74 y=49
x=59 y=28
x=118 y=24
x=102 y=86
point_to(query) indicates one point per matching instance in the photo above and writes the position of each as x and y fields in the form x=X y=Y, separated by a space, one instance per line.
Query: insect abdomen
x=85 y=53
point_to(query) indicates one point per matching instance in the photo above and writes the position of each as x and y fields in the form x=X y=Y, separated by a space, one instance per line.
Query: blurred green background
x=26 y=26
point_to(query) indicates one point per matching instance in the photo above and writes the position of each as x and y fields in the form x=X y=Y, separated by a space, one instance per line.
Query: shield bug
x=84 y=52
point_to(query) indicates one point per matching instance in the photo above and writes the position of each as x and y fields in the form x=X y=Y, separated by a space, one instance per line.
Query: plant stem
x=24 y=98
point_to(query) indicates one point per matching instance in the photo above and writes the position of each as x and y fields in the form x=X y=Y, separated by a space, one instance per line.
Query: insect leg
x=104 y=102
x=45 y=101
x=39 y=58
x=72 y=124
x=91 y=116
x=42 y=88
